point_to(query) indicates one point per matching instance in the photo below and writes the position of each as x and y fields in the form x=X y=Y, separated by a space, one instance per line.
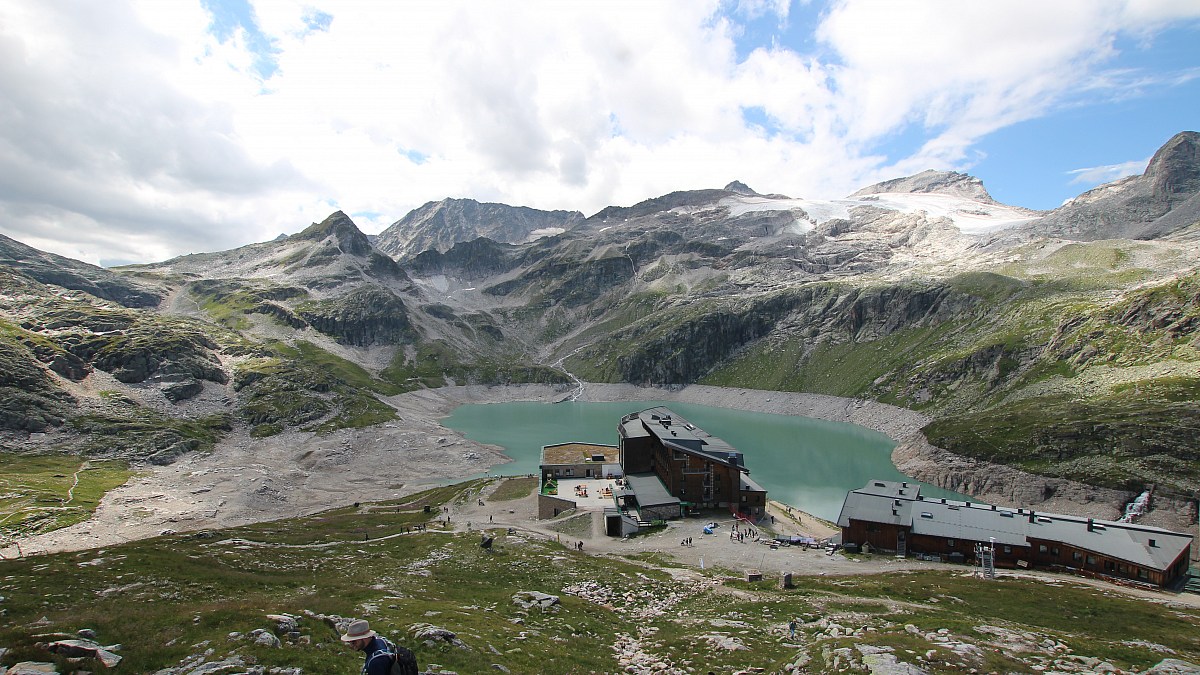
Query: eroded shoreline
x=245 y=480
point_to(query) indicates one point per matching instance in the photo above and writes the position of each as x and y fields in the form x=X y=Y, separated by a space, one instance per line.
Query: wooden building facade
x=698 y=468
x=894 y=517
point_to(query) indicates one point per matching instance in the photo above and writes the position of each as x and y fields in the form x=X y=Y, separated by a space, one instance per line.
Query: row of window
x=1076 y=556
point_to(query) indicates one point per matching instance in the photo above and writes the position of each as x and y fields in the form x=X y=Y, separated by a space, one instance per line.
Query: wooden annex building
x=894 y=517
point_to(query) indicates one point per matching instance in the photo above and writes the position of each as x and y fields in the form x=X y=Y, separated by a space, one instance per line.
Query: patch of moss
x=138 y=432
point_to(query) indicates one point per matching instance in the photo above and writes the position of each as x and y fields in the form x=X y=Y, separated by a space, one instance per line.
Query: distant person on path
x=379 y=652
x=792 y=629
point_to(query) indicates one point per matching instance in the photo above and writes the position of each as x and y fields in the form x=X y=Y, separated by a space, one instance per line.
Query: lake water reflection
x=806 y=462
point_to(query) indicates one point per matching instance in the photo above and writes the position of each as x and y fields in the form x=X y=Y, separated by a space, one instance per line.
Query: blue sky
x=1036 y=163
x=1041 y=162
x=142 y=129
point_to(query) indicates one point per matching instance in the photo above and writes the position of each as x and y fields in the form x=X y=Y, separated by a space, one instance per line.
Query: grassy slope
x=1051 y=375
x=169 y=599
x=45 y=492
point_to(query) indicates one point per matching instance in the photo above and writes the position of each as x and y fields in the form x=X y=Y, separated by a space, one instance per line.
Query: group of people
x=740 y=535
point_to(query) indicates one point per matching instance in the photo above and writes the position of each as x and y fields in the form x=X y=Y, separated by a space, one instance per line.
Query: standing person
x=792 y=628
x=379 y=652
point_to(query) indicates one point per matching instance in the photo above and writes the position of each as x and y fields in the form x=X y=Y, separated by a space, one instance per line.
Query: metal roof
x=649 y=489
x=677 y=433
x=749 y=484
x=1120 y=540
x=875 y=509
x=631 y=427
x=956 y=520
x=899 y=503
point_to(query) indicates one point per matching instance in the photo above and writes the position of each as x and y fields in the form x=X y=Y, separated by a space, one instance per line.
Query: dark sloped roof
x=901 y=504
x=677 y=433
x=650 y=490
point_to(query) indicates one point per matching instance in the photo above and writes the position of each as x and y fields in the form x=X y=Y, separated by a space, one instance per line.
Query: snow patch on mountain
x=545 y=232
x=971 y=217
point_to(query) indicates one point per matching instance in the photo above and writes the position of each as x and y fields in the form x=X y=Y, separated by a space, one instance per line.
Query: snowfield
x=971 y=217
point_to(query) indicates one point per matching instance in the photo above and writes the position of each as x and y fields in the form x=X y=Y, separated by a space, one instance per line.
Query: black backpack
x=404 y=662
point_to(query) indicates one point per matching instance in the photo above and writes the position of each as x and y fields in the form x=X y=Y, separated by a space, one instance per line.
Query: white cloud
x=1103 y=174
x=132 y=133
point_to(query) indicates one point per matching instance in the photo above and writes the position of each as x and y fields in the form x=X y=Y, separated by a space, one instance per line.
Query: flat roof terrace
x=579 y=453
x=598 y=492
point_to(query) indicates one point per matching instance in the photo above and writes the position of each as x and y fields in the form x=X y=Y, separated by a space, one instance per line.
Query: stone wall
x=549 y=506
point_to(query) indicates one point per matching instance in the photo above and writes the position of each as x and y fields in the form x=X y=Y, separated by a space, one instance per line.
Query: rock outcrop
x=363 y=317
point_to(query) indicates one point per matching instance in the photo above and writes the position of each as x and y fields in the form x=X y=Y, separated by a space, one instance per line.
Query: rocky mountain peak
x=440 y=225
x=741 y=188
x=938 y=182
x=1175 y=168
x=339 y=226
x=1163 y=200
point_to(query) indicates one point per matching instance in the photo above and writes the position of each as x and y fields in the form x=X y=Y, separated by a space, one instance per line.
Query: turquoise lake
x=805 y=462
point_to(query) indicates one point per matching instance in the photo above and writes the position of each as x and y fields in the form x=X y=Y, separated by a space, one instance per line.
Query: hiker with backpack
x=382 y=656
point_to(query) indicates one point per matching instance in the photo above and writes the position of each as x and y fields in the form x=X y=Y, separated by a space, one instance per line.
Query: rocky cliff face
x=368 y=315
x=682 y=344
x=32 y=400
x=473 y=260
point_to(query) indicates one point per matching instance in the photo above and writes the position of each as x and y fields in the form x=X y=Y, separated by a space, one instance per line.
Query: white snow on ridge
x=545 y=232
x=969 y=216
x=818 y=211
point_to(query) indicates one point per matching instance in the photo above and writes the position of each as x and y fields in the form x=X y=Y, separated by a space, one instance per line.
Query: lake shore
x=245 y=480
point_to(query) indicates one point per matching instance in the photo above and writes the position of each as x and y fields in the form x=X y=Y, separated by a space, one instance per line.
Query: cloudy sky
x=137 y=130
